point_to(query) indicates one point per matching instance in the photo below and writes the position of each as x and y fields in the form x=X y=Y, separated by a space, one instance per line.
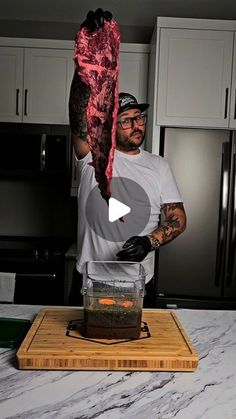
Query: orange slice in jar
x=126 y=304
x=106 y=301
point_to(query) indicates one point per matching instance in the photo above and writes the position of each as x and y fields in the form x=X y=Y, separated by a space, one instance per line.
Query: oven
x=39 y=265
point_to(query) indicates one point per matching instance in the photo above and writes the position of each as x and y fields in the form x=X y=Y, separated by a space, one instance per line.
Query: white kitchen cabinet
x=194 y=83
x=34 y=84
x=132 y=79
x=192 y=76
x=233 y=91
x=47 y=78
x=133 y=74
x=11 y=84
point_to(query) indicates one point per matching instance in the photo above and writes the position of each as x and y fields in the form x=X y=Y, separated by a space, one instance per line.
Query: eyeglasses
x=127 y=123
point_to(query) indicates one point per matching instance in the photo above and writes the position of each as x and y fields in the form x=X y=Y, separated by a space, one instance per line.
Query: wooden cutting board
x=55 y=342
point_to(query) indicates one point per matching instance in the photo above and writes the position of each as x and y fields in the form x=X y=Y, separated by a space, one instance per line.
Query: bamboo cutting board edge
x=95 y=359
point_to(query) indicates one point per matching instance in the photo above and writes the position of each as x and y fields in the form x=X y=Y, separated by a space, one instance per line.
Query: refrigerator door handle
x=221 y=245
x=226 y=102
x=235 y=104
x=231 y=272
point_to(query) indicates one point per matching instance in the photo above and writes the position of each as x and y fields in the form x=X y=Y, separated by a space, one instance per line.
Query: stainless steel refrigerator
x=199 y=267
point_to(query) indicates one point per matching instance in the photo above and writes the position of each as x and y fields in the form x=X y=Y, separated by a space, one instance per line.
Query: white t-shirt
x=153 y=174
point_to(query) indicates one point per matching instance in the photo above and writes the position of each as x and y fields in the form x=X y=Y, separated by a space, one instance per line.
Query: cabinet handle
x=26 y=93
x=17 y=101
x=235 y=104
x=226 y=101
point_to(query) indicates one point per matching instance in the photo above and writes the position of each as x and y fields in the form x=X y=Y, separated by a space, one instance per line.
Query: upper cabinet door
x=133 y=74
x=194 y=83
x=47 y=78
x=232 y=123
x=11 y=84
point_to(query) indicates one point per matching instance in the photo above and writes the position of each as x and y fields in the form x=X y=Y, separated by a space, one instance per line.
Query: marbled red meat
x=96 y=57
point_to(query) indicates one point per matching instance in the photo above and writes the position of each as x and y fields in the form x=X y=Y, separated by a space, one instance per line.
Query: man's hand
x=95 y=20
x=135 y=249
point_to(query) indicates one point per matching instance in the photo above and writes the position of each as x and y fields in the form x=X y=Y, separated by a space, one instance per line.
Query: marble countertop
x=207 y=393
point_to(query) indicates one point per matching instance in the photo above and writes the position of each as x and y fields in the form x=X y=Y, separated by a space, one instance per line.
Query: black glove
x=135 y=249
x=95 y=20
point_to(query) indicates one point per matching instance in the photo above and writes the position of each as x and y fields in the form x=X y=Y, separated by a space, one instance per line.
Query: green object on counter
x=12 y=331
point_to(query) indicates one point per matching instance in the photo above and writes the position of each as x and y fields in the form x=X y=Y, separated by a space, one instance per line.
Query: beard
x=129 y=143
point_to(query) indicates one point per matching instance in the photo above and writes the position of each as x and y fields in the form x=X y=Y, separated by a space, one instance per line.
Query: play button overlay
x=117 y=210
x=126 y=215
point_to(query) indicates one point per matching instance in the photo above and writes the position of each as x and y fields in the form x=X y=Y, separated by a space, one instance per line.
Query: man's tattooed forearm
x=171 y=207
x=79 y=97
x=168 y=231
x=171 y=227
x=82 y=130
x=172 y=222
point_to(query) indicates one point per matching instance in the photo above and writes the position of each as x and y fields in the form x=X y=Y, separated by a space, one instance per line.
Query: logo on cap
x=127 y=100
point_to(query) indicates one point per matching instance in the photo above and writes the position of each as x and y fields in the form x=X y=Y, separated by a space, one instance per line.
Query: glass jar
x=113 y=299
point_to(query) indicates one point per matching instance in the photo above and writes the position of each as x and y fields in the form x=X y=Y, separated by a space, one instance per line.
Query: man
x=151 y=173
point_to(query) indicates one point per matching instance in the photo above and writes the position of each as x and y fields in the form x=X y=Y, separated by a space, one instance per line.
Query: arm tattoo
x=79 y=97
x=174 y=223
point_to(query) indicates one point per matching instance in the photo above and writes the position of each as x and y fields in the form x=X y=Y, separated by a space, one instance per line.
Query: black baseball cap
x=128 y=101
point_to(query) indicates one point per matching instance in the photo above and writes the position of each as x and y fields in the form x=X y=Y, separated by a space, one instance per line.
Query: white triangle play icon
x=116 y=210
